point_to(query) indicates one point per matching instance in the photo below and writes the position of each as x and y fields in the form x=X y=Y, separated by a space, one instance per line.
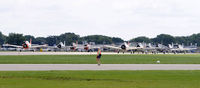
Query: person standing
x=98 y=57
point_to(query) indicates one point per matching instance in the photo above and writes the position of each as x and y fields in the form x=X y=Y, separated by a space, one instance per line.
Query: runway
x=68 y=53
x=47 y=67
x=56 y=53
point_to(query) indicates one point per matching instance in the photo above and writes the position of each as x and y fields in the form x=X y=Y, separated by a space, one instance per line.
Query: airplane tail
x=195 y=44
x=30 y=41
x=150 y=45
x=180 y=46
x=128 y=43
x=73 y=44
x=141 y=45
x=170 y=46
x=160 y=45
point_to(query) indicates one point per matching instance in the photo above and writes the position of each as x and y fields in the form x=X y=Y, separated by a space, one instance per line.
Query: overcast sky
x=117 y=18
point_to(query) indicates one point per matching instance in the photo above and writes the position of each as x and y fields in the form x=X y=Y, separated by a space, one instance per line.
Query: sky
x=126 y=19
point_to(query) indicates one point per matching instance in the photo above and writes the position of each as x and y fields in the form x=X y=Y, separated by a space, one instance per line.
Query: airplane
x=154 y=49
x=123 y=47
x=60 y=46
x=146 y=48
x=92 y=47
x=138 y=47
x=74 y=46
x=26 y=45
x=177 y=48
x=84 y=47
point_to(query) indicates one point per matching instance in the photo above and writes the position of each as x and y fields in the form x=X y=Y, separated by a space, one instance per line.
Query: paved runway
x=66 y=53
x=55 y=53
x=46 y=67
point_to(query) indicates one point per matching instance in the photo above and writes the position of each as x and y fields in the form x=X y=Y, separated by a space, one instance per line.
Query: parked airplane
x=60 y=47
x=74 y=47
x=156 y=48
x=25 y=45
x=177 y=48
x=139 y=47
x=123 y=47
x=84 y=47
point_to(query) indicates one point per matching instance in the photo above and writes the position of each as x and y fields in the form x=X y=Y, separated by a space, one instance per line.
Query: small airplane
x=92 y=47
x=25 y=45
x=154 y=49
x=74 y=46
x=123 y=47
x=61 y=45
x=177 y=48
x=84 y=47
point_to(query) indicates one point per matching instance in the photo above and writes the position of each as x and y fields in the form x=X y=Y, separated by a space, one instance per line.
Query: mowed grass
x=106 y=59
x=100 y=79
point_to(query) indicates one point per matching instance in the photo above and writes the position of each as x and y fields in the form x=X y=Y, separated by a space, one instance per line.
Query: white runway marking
x=46 y=67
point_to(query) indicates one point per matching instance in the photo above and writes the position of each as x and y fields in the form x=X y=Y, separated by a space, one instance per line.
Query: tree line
x=69 y=38
x=166 y=39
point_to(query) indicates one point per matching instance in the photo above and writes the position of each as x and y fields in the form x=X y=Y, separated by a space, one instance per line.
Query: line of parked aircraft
x=123 y=47
x=25 y=45
x=149 y=48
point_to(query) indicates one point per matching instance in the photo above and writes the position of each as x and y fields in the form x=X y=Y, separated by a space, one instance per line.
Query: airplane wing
x=152 y=48
x=132 y=48
x=112 y=47
x=9 y=45
x=96 y=46
x=37 y=46
x=79 y=47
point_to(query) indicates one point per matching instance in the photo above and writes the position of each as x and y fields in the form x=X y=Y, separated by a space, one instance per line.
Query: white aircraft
x=157 y=48
x=177 y=48
x=92 y=47
x=74 y=46
x=84 y=47
x=61 y=45
x=58 y=47
x=25 y=45
x=123 y=47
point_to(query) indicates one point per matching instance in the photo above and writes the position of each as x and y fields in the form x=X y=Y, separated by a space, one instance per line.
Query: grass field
x=106 y=59
x=100 y=79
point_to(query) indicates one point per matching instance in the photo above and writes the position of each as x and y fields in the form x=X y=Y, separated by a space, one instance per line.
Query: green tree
x=165 y=39
x=117 y=40
x=98 y=39
x=51 y=40
x=40 y=40
x=28 y=37
x=16 y=39
x=181 y=40
x=2 y=38
x=69 y=38
x=195 y=38
x=141 y=39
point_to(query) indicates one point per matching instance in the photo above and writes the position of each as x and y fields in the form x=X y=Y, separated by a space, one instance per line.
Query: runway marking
x=46 y=67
